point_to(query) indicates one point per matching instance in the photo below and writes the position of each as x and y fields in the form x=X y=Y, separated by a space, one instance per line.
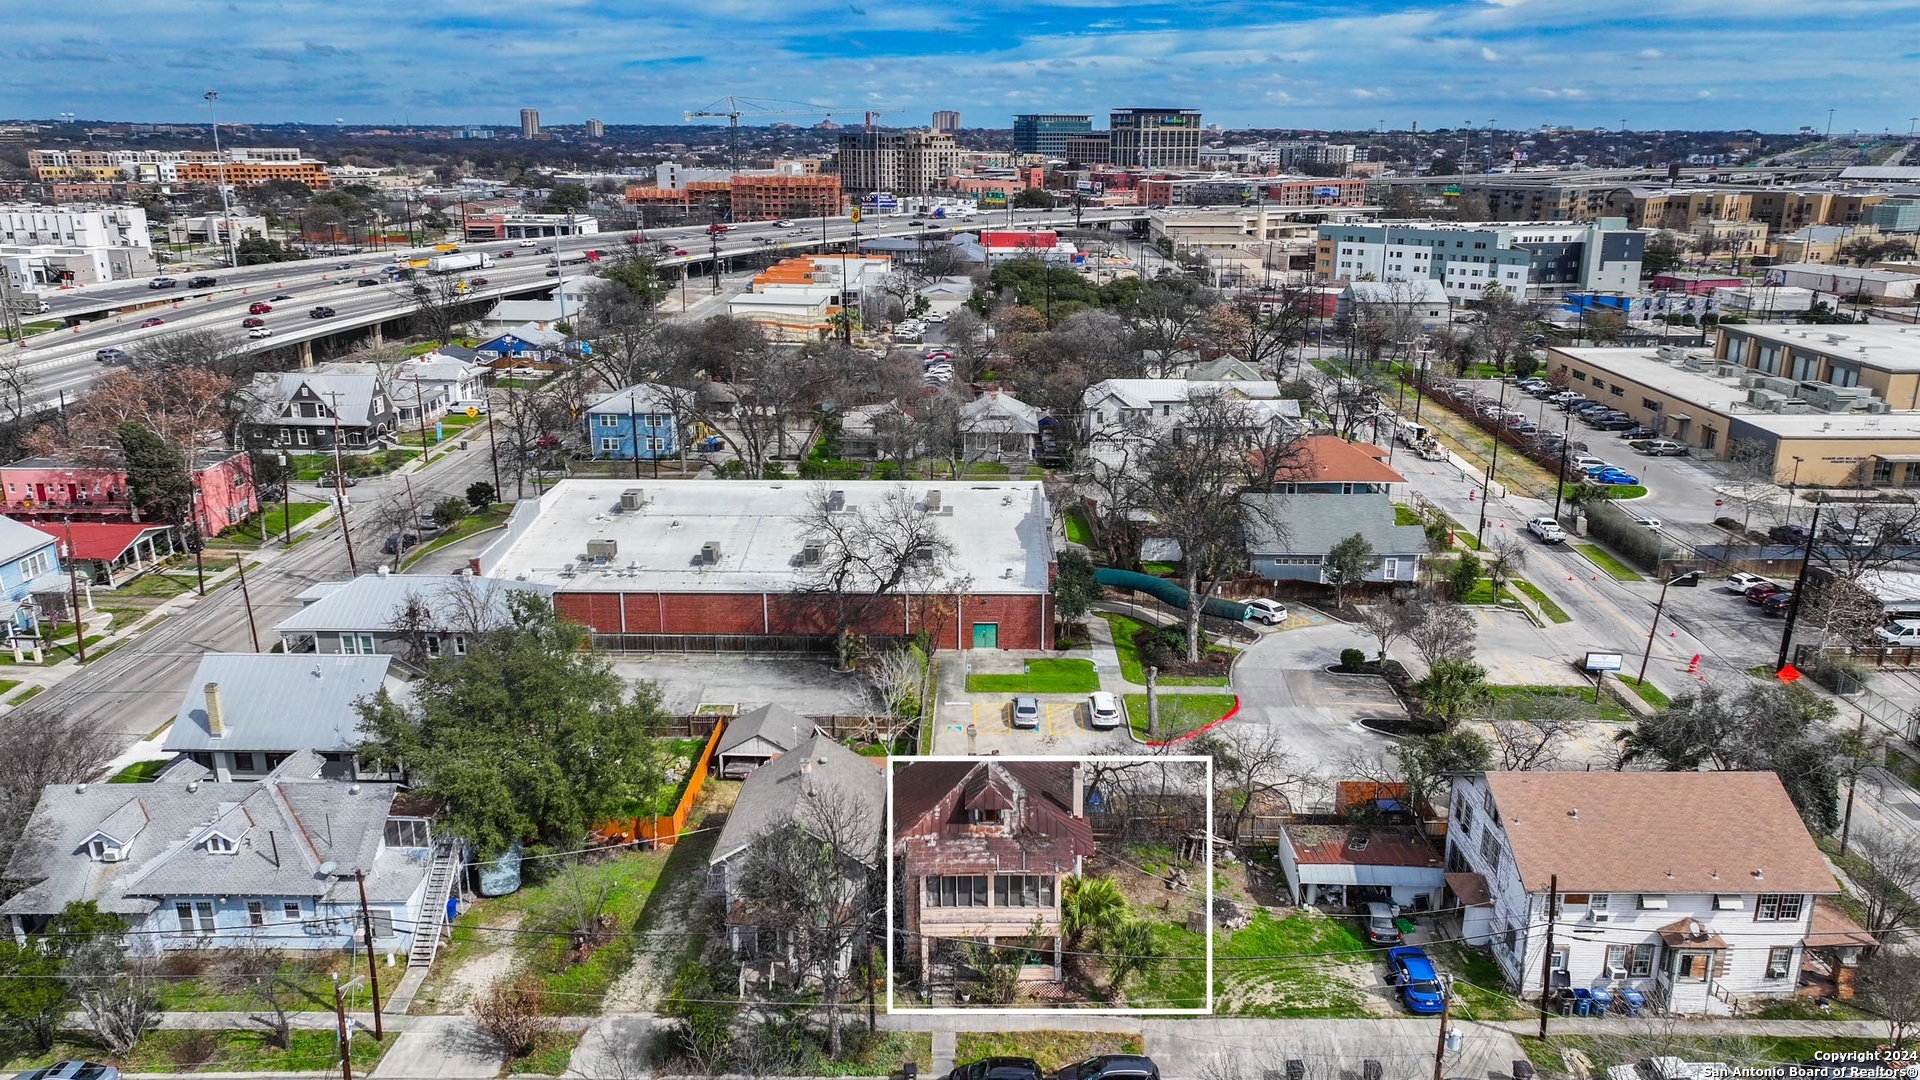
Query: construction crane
x=733 y=108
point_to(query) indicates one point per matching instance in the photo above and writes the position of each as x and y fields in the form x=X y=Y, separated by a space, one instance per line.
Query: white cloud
x=1488 y=54
x=1651 y=54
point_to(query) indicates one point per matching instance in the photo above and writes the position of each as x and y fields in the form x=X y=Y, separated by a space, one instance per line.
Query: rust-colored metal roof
x=1336 y=845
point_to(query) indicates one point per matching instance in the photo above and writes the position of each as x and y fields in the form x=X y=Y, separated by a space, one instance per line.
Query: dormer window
x=218 y=845
x=103 y=850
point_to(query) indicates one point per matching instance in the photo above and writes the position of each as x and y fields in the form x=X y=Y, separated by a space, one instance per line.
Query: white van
x=459 y=408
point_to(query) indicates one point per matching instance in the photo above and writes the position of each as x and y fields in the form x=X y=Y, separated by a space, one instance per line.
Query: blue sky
x=1769 y=64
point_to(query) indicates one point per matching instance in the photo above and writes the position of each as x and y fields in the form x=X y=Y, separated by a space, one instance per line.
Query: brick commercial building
x=726 y=564
x=768 y=197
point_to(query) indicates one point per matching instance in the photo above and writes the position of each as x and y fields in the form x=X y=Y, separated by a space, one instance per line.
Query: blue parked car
x=1411 y=971
x=1616 y=478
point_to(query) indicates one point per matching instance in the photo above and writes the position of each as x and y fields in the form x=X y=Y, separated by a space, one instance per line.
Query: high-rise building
x=1046 y=133
x=529 y=123
x=1154 y=138
x=946 y=121
x=904 y=162
x=596 y=129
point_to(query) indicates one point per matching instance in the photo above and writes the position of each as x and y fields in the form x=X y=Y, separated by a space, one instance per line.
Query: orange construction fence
x=666 y=829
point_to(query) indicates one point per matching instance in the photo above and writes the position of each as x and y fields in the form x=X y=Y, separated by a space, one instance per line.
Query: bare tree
x=1443 y=630
x=965 y=335
x=510 y=1013
x=855 y=557
x=120 y=1008
x=1747 y=479
x=1253 y=766
x=1509 y=558
x=60 y=752
x=439 y=302
x=1889 y=987
x=898 y=676
x=1531 y=741
x=250 y=967
x=1165 y=319
x=1890 y=887
x=1388 y=622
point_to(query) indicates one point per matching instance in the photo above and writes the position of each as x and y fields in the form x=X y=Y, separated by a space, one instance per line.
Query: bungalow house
x=426 y=385
x=192 y=865
x=998 y=426
x=527 y=343
x=94 y=489
x=758 y=736
x=1423 y=302
x=414 y=617
x=111 y=555
x=636 y=422
x=1290 y=536
x=877 y=431
x=302 y=411
x=823 y=787
x=1694 y=889
x=1142 y=408
x=981 y=848
x=1330 y=465
x=29 y=565
x=245 y=713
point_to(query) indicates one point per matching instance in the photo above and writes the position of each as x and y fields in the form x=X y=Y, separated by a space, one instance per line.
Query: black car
x=202 y=282
x=1638 y=431
x=272 y=493
x=1788 y=534
x=321 y=312
x=281 y=296
x=1776 y=604
x=998 y=1068
x=398 y=542
x=366 y=281
x=326 y=481
x=548 y=250
x=1616 y=423
x=1111 y=1067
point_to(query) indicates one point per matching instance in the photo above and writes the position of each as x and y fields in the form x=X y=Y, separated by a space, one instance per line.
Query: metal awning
x=1679 y=416
x=1897 y=457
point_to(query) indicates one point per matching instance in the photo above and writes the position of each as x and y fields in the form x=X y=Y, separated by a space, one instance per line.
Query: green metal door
x=986 y=635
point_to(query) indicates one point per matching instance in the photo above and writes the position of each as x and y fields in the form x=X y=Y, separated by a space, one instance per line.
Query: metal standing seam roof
x=278 y=701
x=999 y=411
x=368 y=604
x=781 y=792
x=1314 y=523
x=18 y=541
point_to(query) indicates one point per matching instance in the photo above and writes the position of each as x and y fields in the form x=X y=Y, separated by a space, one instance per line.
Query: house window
x=195 y=918
x=1022 y=890
x=1728 y=902
x=290 y=909
x=1490 y=849
x=1558 y=961
x=459 y=644
x=1779 y=961
x=1695 y=965
x=433 y=646
x=243 y=763
x=656 y=420
x=34 y=565
x=406 y=832
x=220 y=845
x=1635 y=961
x=610 y=446
x=1653 y=901
x=1598 y=902
x=1463 y=815
x=608 y=420
x=300 y=437
x=957 y=890
x=256 y=913
x=1777 y=907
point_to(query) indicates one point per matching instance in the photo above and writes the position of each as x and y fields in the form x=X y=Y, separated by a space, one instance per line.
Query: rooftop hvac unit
x=1671 y=353
x=602 y=550
x=710 y=552
x=1750 y=378
x=1877 y=406
x=933 y=502
x=810 y=555
x=633 y=498
x=837 y=500
x=1794 y=405
x=1783 y=387
x=1697 y=363
x=1731 y=371
x=1765 y=400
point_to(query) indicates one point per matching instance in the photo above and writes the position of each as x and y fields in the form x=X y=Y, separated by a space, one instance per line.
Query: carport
x=1344 y=866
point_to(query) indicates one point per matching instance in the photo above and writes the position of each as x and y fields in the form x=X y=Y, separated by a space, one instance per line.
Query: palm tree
x=1090 y=908
x=1129 y=948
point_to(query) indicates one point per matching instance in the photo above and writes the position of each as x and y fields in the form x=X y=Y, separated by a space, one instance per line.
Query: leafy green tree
x=448 y=511
x=1424 y=762
x=1349 y=563
x=531 y=736
x=1032 y=199
x=567 y=198
x=700 y=1003
x=1074 y=587
x=1463 y=576
x=1130 y=947
x=33 y=996
x=480 y=494
x=158 y=484
x=1452 y=689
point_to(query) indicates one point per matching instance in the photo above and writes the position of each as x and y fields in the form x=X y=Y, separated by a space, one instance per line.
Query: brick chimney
x=216 y=714
x=1079 y=790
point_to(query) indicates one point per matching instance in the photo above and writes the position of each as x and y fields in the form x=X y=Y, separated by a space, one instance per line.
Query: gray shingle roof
x=17 y=540
x=779 y=792
x=776 y=724
x=356 y=390
x=278 y=701
x=367 y=604
x=647 y=397
x=998 y=411
x=1314 y=523
x=283 y=830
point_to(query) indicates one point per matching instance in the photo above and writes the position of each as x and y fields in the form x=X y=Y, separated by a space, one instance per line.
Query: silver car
x=1026 y=711
x=71 y=1070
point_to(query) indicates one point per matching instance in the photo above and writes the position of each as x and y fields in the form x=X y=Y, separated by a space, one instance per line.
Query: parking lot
x=808 y=687
x=1063 y=728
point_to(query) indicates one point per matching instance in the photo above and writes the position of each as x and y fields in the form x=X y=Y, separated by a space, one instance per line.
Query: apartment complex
x=1154 y=138
x=904 y=162
x=245 y=166
x=769 y=197
x=596 y=129
x=529 y=123
x=1650 y=206
x=1047 y=133
x=63 y=245
x=946 y=121
x=1534 y=259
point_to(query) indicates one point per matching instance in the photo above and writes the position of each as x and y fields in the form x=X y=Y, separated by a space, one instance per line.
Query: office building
x=1154 y=138
x=1089 y=149
x=1530 y=260
x=529 y=123
x=476 y=133
x=946 y=121
x=596 y=129
x=903 y=162
x=1047 y=133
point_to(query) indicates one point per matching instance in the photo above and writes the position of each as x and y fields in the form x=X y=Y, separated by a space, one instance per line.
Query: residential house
x=1420 y=304
x=1289 y=536
x=1114 y=409
x=528 y=343
x=29 y=566
x=996 y=426
x=1225 y=369
x=246 y=713
x=1696 y=889
x=94 y=489
x=426 y=385
x=1330 y=465
x=111 y=555
x=636 y=422
x=193 y=865
x=828 y=790
x=413 y=617
x=877 y=431
x=301 y=411
x=981 y=849
x=758 y=736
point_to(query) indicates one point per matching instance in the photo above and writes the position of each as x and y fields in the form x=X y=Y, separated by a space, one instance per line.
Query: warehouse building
x=726 y=564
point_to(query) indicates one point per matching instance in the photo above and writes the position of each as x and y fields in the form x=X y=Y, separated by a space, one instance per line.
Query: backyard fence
x=666 y=829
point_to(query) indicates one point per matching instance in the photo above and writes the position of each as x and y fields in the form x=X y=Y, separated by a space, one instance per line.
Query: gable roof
x=368 y=603
x=1224 y=369
x=773 y=723
x=638 y=398
x=998 y=411
x=1331 y=459
x=278 y=701
x=1146 y=393
x=355 y=390
x=1657 y=832
x=1040 y=792
x=18 y=541
x=1314 y=523
x=782 y=792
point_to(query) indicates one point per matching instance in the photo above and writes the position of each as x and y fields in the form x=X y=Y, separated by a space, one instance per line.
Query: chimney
x=806 y=776
x=1079 y=790
x=216 y=714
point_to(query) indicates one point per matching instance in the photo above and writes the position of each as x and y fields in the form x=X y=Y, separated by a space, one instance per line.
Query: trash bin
x=1632 y=999
x=463 y=444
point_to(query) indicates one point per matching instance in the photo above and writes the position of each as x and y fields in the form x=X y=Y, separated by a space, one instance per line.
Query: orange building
x=767 y=198
x=254 y=173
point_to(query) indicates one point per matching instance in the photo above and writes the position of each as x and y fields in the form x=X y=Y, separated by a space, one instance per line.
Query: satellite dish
x=329 y=868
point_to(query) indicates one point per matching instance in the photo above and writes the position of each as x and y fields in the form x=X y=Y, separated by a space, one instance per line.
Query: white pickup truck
x=1547 y=529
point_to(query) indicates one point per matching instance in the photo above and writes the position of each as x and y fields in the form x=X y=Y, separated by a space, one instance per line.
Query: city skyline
x=1516 y=64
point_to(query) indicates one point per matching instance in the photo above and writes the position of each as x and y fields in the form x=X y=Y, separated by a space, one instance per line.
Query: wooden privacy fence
x=666 y=829
x=701 y=725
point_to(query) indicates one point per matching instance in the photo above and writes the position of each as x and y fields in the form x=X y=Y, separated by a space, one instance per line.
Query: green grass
x=551 y=1054
x=486 y=519
x=226 y=1051
x=1754 y=1050
x=1404 y=515
x=56 y=649
x=140 y=772
x=1133 y=671
x=1159 y=569
x=1551 y=610
x=1648 y=692
x=29 y=694
x=7 y=685
x=1574 y=701
x=878 y=1055
x=452 y=424
x=156 y=586
x=1173 y=983
x=1179 y=713
x=1051 y=1049
x=270 y=524
x=1250 y=982
x=1079 y=529
x=1042 y=677
x=1482 y=593
x=1604 y=559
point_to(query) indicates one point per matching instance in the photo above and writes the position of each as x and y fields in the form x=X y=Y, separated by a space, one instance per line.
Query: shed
x=1348 y=865
x=756 y=737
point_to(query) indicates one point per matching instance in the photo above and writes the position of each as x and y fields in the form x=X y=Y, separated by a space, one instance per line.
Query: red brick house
x=50 y=489
x=981 y=848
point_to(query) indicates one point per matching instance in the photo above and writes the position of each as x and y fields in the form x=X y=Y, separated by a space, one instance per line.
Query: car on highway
x=111 y=355
x=1548 y=530
x=680 y=251
x=783 y=223
x=1271 y=612
x=1026 y=711
x=162 y=283
x=366 y=281
x=548 y=250
x=716 y=229
x=998 y=1068
x=1103 y=710
x=507 y=254
x=1111 y=1067
x=326 y=481
x=1663 y=448
x=1757 y=593
x=526 y=243
x=321 y=312
x=1742 y=581
x=260 y=331
x=477 y=282
x=259 y=308
x=344 y=266
x=1900 y=632
x=553 y=273
x=277 y=297
x=155 y=321
x=250 y=322
x=1776 y=604
x=202 y=282
x=1409 y=969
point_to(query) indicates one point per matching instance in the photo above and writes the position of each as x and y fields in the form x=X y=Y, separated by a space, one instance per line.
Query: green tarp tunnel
x=1168 y=593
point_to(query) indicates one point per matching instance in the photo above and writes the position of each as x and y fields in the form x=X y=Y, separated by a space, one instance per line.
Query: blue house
x=637 y=422
x=29 y=563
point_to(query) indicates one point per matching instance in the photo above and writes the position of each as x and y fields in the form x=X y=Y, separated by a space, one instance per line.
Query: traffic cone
x=1693 y=666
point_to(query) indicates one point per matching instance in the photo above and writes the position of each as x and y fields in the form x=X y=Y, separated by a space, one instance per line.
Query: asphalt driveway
x=1282 y=682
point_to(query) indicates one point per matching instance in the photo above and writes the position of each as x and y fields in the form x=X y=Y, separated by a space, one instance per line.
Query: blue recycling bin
x=1582 y=1001
x=1632 y=1000
x=1602 y=1000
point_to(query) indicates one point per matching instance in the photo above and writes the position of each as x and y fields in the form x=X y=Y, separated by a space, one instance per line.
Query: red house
x=48 y=489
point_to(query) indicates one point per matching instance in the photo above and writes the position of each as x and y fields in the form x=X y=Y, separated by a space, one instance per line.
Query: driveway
x=1282 y=682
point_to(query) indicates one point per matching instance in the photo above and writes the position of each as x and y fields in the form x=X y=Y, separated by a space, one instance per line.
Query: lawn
x=1042 y=677
x=1648 y=692
x=1574 y=702
x=195 y=984
x=1179 y=982
x=450 y=427
x=156 y=586
x=1292 y=967
x=1481 y=593
x=1159 y=569
x=491 y=517
x=175 y=1051
x=55 y=648
x=1604 y=1051
x=27 y=695
x=1130 y=667
x=1051 y=1049
x=1179 y=713
x=1603 y=559
x=1551 y=610
x=1079 y=529
x=140 y=772
x=1478 y=986
x=274 y=518
x=551 y=1054
x=1404 y=515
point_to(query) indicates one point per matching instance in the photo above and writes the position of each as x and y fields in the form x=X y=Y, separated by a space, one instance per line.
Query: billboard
x=993 y=200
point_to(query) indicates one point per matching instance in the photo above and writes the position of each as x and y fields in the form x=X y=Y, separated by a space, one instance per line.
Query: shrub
x=509 y=1013
x=184 y=963
x=1841 y=676
x=1730 y=524
x=448 y=511
x=1464 y=575
x=480 y=494
x=1352 y=659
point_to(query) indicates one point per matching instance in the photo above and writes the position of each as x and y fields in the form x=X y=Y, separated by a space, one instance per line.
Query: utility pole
x=1546 y=962
x=633 y=428
x=1560 y=482
x=1853 y=778
x=373 y=968
x=1799 y=588
x=1440 y=1050
x=253 y=628
x=73 y=589
x=1687 y=580
x=493 y=450
x=220 y=163
x=340 y=484
x=1486 y=489
x=413 y=511
x=341 y=1033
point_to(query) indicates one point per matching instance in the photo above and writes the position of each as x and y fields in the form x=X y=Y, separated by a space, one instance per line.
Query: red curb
x=1231 y=713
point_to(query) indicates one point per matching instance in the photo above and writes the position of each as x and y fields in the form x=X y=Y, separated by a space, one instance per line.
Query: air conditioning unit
x=710 y=552
x=1671 y=353
x=1749 y=378
x=1731 y=371
x=1765 y=400
x=602 y=550
x=837 y=500
x=1600 y=916
x=1616 y=972
x=112 y=855
x=633 y=498
x=933 y=502
x=1878 y=407
x=1793 y=405
x=810 y=555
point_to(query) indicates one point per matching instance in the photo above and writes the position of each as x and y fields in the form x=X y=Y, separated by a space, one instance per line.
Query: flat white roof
x=999 y=531
x=1886 y=346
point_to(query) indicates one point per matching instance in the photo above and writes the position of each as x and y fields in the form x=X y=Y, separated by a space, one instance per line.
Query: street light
x=1688 y=580
x=220 y=164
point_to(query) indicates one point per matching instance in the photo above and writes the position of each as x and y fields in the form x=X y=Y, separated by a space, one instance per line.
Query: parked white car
x=1900 y=632
x=1103 y=710
x=1741 y=582
x=1547 y=529
x=1267 y=611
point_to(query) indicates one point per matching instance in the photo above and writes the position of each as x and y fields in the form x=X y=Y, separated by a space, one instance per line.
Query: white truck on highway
x=447 y=264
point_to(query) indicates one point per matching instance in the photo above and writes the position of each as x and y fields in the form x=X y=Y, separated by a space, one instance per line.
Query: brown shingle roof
x=1657 y=832
x=1331 y=459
